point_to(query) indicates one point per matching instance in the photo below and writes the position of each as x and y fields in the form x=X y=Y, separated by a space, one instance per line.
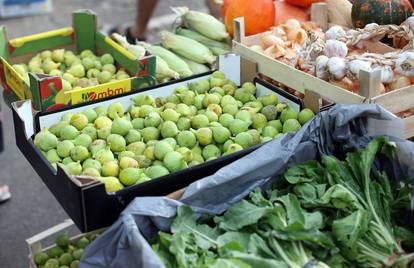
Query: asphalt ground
x=33 y=208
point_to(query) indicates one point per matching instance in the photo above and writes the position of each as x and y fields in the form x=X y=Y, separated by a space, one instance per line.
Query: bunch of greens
x=329 y=214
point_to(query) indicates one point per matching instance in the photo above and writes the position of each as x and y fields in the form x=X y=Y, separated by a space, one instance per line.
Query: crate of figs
x=97 y=157
x=68 y=66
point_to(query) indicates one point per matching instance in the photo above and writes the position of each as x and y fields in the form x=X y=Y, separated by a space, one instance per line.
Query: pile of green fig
x=65 y=254
x=154 y=137
x=83 y=70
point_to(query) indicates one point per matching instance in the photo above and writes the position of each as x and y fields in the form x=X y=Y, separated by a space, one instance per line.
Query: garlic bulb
x=269 y=39
x=410 y=23
x=405 y=64
x=336 y=48
x=356 y=65
x=278 y=31
x=387 y=74
x=337 y=67
x=321 y=67
x=334 y=33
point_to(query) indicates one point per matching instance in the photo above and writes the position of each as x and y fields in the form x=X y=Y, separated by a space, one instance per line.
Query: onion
x=271 y=40
x=400 y=82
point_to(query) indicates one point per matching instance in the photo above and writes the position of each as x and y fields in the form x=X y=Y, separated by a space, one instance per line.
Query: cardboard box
x=37 y=242
x=44 y=89
x=84 y=198
x=19 y=8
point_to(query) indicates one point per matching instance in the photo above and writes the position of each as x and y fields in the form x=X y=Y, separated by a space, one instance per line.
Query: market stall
x=281 y=147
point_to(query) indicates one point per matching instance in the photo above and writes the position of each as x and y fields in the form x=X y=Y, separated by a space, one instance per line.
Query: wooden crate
x=315 y=89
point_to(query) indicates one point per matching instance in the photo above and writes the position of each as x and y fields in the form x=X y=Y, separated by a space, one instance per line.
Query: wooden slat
x=296 y=79
x=408 y=127
x=319 y=14
x=397 y=100
x=369 y=83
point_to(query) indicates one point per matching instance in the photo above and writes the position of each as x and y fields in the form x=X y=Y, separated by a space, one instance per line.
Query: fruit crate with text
x=59 y=245
x=80 y=190
x=316 y=91
x=69 y=65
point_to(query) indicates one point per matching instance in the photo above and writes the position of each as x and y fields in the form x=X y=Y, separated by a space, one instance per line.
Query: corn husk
x=196 y=68
x=163 y=72
x=187 y=48
x=138 y=51
x=216 y=47
x=203 y=23
x=174 y=62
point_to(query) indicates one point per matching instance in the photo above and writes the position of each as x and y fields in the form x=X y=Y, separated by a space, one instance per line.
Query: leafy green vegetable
x=338 y=214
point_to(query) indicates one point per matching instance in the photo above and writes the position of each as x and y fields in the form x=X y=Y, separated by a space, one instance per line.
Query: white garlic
x=334 y=33
x=321 y=70
x=405 y=64
x=387 y=74
x=257 y=48
x=356 y=65
x=336 y=48
x=337 y=67
x=410 y=23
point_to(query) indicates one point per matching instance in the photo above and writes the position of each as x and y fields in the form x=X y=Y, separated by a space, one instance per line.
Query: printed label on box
x=100 y=91
x=13 y=80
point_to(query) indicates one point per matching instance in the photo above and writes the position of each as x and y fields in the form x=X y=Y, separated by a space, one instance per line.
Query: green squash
x=382 y=12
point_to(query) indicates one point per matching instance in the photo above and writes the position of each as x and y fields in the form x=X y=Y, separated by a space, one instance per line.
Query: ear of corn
x=137 y=50
x=163 y=72
x=187 y=48
x=174 y=62
x=215 y=47
x=203 y=23
x=196 y=68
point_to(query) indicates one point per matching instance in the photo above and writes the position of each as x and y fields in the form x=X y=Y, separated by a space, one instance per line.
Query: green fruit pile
x=83 y=70
x=199 y=122
x=64 y=254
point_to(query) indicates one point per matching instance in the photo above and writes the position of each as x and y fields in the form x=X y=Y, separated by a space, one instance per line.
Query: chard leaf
x=242 y=238
x=183 y=247
x=340 y=197
x=166 y=257
x=242 y=214
x=258 y=199
x=230 y=247
x=295 y=214
x=313 y=220
x=186 y=222
x=277 y=218
x=313 y=236
x=351 y=228
x=259 y=247
x=256 y=261
x=229 y=263
x=306 y=172
x=306 y=193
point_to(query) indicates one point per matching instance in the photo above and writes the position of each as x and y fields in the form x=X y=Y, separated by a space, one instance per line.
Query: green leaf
x=313 y=220
x=259 y=247
x=313 y=236
x=229 y=263
x=256 y=261
x=185 y=222
x=242 y=238
x=306 y=193
x=340 y=197
x=166 y=257
x=351 y=228
x=258 y=199
x=242 y=214
x=295 y=214
x=230 y=247
x=184 y=248
x=306 y=172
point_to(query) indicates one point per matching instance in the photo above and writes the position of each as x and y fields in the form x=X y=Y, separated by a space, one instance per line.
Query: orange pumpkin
x=225 y=6
x=286 y=11
x=259 y=15
x=303 y=3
